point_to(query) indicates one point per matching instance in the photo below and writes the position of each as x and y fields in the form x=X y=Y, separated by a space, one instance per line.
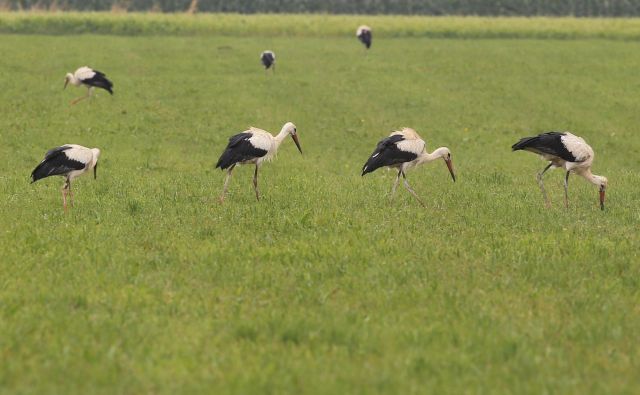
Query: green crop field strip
x=317 y=25
x=149 y=285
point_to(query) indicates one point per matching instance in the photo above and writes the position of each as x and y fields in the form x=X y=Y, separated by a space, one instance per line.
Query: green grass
x=148 y=285
x=135 y=24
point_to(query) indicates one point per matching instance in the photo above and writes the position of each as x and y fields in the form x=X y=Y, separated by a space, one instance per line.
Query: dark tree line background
x=580 y=8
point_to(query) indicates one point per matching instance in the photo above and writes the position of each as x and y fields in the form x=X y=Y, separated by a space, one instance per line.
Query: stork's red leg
x=566 y=190
x=547 y=202
x=79 y=99
x=406 y=184
x=70 y=193
x=255 y=183
x=395 y=184
x=64 y=198
x=82 y=97
x=226 y=183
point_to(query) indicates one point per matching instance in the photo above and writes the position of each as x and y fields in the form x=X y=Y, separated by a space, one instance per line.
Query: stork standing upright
x=364 y=35
x=565 y=150
x=91 y=79
x=69 y=161
x=253 y=146
x=404 y=150
x=268 y=59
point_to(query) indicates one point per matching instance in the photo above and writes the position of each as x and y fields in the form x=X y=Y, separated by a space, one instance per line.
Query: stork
x=364 y=35
x=90 y=78
x=253 y=146
x=565 y=150
x=268 y=59
x=69 y=161
x=404 y=150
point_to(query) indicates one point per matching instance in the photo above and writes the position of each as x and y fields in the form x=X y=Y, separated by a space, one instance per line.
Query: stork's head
x=446 y=155
x=290 y=128
x=67 y=79
x=601 y=182
x=94 y=162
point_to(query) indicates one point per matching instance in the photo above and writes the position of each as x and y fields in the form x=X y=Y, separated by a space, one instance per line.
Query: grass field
x=148 y=285
x=237 y=25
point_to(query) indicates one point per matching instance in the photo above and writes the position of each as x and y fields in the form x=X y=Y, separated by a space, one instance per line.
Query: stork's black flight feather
x=239 y=150
x=56 y=163
x=387 y=153
x=365 y=38
x=546 y=143
x=267 y=59
x=99 y=80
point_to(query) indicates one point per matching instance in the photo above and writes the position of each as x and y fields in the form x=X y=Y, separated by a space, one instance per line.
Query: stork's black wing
x=267 y=60
x=99 y=80
x=387 y=153
x=546 y=143
x=365 y=38
x=55 y=163
x=56 y=150
x=239 y=149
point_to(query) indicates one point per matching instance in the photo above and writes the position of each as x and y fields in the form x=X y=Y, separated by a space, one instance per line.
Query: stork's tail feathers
x=372 y=164
x=524 y=143
x=109 y=88
x=41 y=171
x=101 y=81
x=226 y=160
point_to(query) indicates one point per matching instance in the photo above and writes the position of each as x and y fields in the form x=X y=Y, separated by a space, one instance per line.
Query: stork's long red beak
x=602 y=192
x=66 y=81
x=450 y=167
x=295 y=140
x=95 y=171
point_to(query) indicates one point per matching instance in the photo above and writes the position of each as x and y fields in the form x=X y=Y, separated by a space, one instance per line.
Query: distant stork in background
x=565 y=150
x=404 y=150
x=69 y=161
x=268 y=59
x=91 y=79
x=364 y=35
x=253 y=146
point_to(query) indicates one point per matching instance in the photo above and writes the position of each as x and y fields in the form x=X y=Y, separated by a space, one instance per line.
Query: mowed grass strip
x=325 y=286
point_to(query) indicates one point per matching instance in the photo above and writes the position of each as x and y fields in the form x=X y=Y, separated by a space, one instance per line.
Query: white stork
x=69 y=161
x=404 y=150
x=268 y=59
x=253 y=146
x=364 y=35
x=90 y=78
x=565 y=150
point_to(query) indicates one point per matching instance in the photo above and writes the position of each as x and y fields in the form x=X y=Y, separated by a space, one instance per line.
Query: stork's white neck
x=72 y=79
x=430 y=157
x=281 y=136
x=592 y=178
x=96 y=155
